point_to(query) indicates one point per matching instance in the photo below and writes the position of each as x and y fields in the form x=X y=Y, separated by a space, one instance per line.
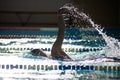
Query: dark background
x=103 y=12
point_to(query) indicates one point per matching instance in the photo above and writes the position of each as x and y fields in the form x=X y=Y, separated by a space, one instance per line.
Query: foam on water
x=113 y=45
x=15 y=74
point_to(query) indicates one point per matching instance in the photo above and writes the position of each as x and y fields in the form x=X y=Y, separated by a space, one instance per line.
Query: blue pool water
x=84 y=45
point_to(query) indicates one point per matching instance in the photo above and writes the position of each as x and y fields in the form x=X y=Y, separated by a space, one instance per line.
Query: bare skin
x=57 y=51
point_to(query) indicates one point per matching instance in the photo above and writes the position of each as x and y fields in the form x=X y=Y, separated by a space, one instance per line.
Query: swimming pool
x=84 y=45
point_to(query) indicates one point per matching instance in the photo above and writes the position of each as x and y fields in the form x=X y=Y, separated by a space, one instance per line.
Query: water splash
x=112 y=48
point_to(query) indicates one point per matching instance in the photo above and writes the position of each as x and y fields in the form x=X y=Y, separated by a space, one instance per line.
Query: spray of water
x=112 y=48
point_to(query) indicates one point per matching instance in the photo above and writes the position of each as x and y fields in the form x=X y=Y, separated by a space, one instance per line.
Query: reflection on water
x=86 y=50
x=33 y=67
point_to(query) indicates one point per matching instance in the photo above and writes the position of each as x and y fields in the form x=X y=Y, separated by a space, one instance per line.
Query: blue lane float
x=38 y=67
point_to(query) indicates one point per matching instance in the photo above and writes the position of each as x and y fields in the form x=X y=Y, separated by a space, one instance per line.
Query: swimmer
x=56 y=52
x=67 y=17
